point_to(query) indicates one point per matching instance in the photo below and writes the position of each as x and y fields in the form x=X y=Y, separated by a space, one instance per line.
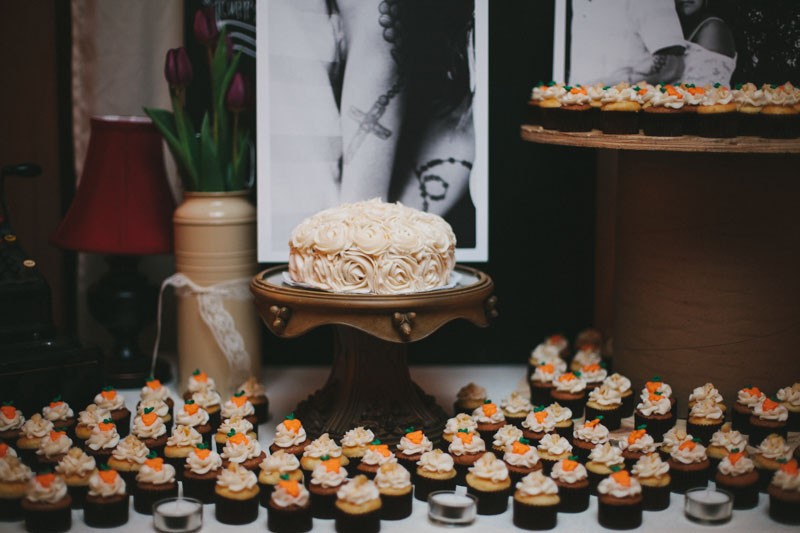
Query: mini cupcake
x=435 y=471
x=358 y=506
x=716 y=114
x=127 y=458
x=749 y=100
x=657 y=386
x=150 y=429
x=102 y=441
x=653 y=475
x=469 y=398
x=569 y=389
x=376 y=455
x=536 y=502
x=619 y=501
x=585 y=438
x=549 y=352
x=768 y=457
x=489 y=419
x=325 y=481
x=552 y=449
x=573 y=485
x=107 y=500
x=768 y=417
x=411 y=447
x=461 y=421
x=257 y=395
x=324 y=446
x=191 y=415
x=784 y=493
x=61 y=415
x=594 y=375
x=575 y=111
x=272 y=468
x=521 y=459
x=550 y=104
x=239 y=405
x=52 y=449
x=354 y=446
x=705 y=418
x=200 y=473
x=662 y=113
x=588 y=354
x=505 y=437
x=14 y=477
x=198 y=381
x=671 y=440
x=541 y=383
x=87 y=420
x=179 y=445
x=153 y=390
x=290 y=436
x=154 y=481
x=619 y=112
x=621 y=384
x=46 y=505
x=689 y=465
x=76 y=468
x=289 y=508
x=211 y=402
x=724 y=442
x=736 y=474
x=11 y=422
x=237 y=495
x=537 y=424
x=746 y=399
x=693 y=96
x=655 y=412
x=394 y=485
x=606 y=402
x=242 y=451
x=488 y=480
x=562 y=416
x=34 y=431
x=603 y=459
x=790 y=399
x=515 y=408
x=466 y=448
x=238 y=425
x=114 y=403
x=707 y=392
x=160 y=408
x=534 y=114
x=636 y=445
x=779 y=116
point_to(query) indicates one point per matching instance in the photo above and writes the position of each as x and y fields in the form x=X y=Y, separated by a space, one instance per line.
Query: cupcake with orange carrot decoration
x=289 y=509
x=107 y=500
x=199 y=381
x=573 y=485
x=489 y=419
x=46 y=505
x=150 y=429
x=784 y=492
x=586 y=438
x=742 y=409
x=537 y=424
x=411 y=447
x=768 y=417
x=239 y=405
x=377 y=454
x=569 y=390
x=737 y=474
x=243 y=451
x=689 y=465
x=663 y=112
x=636 y=445
x=780 y=117
x=541 y=383
x=61 y=415
x=521 y=458
x=575 y=111
x=619 y=113
x=102 y=441
x=193 y=416
x=619 y=501
x=467 y=447
x=155 y=481
x=114 y=402
x=11 y=421
x=716 y=114
x=290 y=436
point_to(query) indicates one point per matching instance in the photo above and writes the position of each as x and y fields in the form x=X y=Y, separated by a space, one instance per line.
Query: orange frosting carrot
x=519 y=448
x=465 y=437
x=555 y=339
x=108 y=476
x=654 y=397
x=106 y=426
x=156 y=463
x=548 y=368
x=382 y=449
x=569 y=376
x=687 y=445
x=202 y=453
x=55 y=435
x=291 y=486
x=652 y=386
x=591 y=423
x=541 y=415
x=489 y=409
x=333 y=464
x=790 y=467
x=569 y=465
x=415 y=436
x=202 y=377
x=55 y=404
x=3 y=449
x=154 y=384
x=149 y=418
x=108 y=394
x=769 y=405
x=239 y=438
x=292 y=424
x=45 y=480
x=591 y=368
x=752 y=391
x=191 y=408
x=734 y=457
x=622 y=477
x=635 y=435
x=9 y=411
x=239 y=400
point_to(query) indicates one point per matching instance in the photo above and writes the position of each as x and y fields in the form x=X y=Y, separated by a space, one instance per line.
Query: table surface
x=286 y=386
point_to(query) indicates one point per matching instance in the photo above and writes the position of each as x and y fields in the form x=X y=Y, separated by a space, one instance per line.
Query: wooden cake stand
x=370 y=384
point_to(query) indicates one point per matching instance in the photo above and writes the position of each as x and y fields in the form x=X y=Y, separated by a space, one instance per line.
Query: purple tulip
x=205 y=25
x=239 y=94
x=178 y=68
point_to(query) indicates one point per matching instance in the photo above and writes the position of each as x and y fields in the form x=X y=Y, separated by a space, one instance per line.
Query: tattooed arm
x=372 y=99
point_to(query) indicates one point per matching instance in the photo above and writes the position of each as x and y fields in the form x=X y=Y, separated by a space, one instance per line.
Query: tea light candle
x=178 y=515
x=707 y=505
x=447 y=507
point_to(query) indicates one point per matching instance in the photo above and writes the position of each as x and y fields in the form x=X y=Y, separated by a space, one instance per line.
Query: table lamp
x=123 y=209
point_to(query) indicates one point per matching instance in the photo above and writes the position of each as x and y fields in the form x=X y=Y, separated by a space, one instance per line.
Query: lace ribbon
x=210 y=304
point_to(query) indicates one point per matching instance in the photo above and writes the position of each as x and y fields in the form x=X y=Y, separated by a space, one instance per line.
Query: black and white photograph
x=360 y=99
x=693 y=41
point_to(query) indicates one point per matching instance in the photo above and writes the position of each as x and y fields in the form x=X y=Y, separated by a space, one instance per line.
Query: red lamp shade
x=123 y=205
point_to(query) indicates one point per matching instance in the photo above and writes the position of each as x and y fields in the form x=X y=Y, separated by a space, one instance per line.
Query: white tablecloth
x=287 y=386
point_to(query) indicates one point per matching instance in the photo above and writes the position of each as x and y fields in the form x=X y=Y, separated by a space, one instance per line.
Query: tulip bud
x=205 y=25
x=238 y=97
x=178 y=68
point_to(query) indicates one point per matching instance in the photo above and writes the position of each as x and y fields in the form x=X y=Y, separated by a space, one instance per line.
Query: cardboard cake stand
x=369 y=384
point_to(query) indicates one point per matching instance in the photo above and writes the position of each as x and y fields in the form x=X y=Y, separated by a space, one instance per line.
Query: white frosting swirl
x=576 y=95
x=644 y=444
x=745 y=397
x=324 y=445
x=103 y=439
x=610 y=486
x=280 y=462
x=37 y=427
x=285 y=437
x=183 y=436
x=147 y=474
x=506 y=436
x=230 y=409
x=604 y=395
x=558 y=412
x=93 y=415
x=774 y=447
x=537 y=484
x=587 y=356
x=546 y=353
x=618 y=382
x=14 y=421
x=649 y=407
x=481 y=417
x=730 y=440
x=460 y=447
x=606 y=454
x=159 y=407
x=546 y=373
x=689 y=454
x=554 y=444
x=111 y=401
x=130 y=449
x=666 y=96
x=13 y=470
x=650 y=465
x=100 y=489
x=749 y=94
x=460 y=421
x=569 y=383
x=282 y=498
x=707 y=408
x=357 y=437
x=76 y=463
x=206 y=398
x=239 y=451
x=790 y=395
x=596 y=434
x=50 y=447
x=716 y=95
x=197 y=385
x=185 y=418
x=569 y=476
x=149 y=431
x=392 y=476
x=707 y=391
x=236 y=478
x=529 y=459
x=203 y=465
x=358 y=491
x=675 y=436
x=57 y=411
x=52 y=493
x=436 y=461
x=593 y=373
x=148 y=393
x=328 y=478
x=409 y=447
x=779 y=412
x=786 y=481
x=489 y=467
x=742 y=466
x=516 y=404
x=238 y=424
x=659 y=386
x=373 y=456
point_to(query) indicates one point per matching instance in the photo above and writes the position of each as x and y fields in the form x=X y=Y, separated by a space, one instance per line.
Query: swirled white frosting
x=657 y=386
x=358 y=436
x=742 y=466
x=471 y=392
x=489 y=467
x=283 y=498
x=576 y=95
x=650 y=465
x=554 y=444
x=103 y=439
x=281 y=462
x=323 y=445
x=99 y=488
x=358 y=491
x=707 y=391
x=159 y=407
x=749 y=94
x=52 y=493
x=156 y=392
x=436 y=461
x=205 y=464
x=93 y=415
x=774 y=447
x=528 y=459
x=553 y=91
x=230 y=409
x=596 y=434
x=147 y=474
x=252 y=388
x=460 y=447
x=587 y=356
x=649 y=407
x=783 y=95
x=130 y=449
x=604 y=395
x=206 y=398
x=790 y=395
x=593 y=373
x=198 y=418
x=372 y=247
x=707 y=408
x=778 y=412
x=460 y=421
x=716 y=95
x=558 y=412
x=606 y=454
x=112 y=400
x=730 y=439
x=236 y=478
x=485 y=415
x=183 y=436
x=37 y=427
x=392 y=476
x=50 y=447
x=240 y=451
x=610 y=486
x=506 y=436
x=665 y=96
x=204 y=383
x=645 y=444
x=409 y=447
x=11 y=419
x=689 y=454
x=57 y=411
x=569 y=476
x=569 y=382
x=545 y=353
x=325 y=477
x=675 y=436
x=786 y=481
x=536 y=484
x=618 y=382
x=285 y=437
x=143 y=430
x=539 y=421
x=749 y=397
x=12 y=470
x=516 y=403
x=546 y=373
x=373 y=456
x=238 y=424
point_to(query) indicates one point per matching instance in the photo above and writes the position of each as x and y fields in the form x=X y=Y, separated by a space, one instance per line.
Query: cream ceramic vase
x=215 y=245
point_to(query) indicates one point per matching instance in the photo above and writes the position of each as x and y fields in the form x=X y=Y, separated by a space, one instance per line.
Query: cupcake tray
x=639 y=141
